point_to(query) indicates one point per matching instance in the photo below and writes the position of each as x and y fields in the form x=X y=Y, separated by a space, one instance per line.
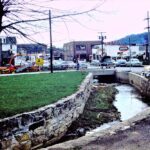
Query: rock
x=81 y=131
x=26 y=145
x=125 y=127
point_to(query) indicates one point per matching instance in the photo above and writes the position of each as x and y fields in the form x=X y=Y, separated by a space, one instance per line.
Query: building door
x=83 y=57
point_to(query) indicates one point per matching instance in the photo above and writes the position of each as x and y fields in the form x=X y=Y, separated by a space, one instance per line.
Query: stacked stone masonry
x=136 y=80
x=141 y=83
x=44 y=125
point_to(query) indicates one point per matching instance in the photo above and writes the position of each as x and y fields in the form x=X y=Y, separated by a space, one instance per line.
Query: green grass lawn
x=27 y=92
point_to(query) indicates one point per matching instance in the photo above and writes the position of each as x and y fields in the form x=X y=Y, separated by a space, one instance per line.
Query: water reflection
x=128 y=101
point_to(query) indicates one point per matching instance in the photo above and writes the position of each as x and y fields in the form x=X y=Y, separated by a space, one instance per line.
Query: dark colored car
x=107 y=62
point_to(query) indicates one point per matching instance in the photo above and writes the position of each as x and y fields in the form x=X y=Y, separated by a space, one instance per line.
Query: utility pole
x=130 y=47
x=51 y=48
x=130 y=52
x=101 y=37
x=148 y=42
x=0 y=52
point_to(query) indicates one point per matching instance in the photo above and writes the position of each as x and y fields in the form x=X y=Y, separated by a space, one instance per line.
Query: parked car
x=121 y=63
x=83 y=65
x=107 y=62
x=59 y=65
x=146 y=74
x=71 y=64
x=95 y=62
x=64 y=64
x=46 y=65
x=134 y=62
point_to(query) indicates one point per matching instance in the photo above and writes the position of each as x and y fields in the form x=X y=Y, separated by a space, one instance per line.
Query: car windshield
x=107 y=60
x=134 y=60
x=121 y=60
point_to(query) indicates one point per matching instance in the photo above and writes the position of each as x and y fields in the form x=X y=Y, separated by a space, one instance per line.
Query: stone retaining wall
x=138 y=81
x=45 y=125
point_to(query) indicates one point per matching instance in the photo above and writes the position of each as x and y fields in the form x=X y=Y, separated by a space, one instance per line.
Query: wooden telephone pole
x=51 y=48
x=148 y=42
x=101 y=37
x=0 y=52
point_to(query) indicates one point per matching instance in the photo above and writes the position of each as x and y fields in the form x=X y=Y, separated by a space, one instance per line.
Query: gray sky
x=117 y=18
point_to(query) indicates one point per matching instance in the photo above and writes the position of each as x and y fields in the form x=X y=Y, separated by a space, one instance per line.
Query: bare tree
x=26 y=17
x=16 y=16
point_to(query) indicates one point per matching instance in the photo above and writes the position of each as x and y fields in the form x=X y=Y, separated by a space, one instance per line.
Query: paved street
x=133 y=69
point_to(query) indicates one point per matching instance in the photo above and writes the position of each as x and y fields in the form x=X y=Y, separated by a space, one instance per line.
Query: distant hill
x=134 y=39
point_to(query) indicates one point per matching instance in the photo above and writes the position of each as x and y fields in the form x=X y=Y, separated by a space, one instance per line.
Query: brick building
x=79 y=49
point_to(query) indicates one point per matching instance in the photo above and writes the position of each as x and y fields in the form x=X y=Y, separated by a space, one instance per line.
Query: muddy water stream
x=128 y=102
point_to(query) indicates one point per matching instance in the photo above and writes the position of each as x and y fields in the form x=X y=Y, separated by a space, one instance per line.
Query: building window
x=94 y=56
x=4 y=41
x=142 y=48
x=80 y=47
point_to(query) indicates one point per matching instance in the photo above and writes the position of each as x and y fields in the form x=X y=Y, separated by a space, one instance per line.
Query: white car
x=46 y=65
x=71 y=64
x=60 y=65
x=95 y=63
x=83 y=65
x=121 y=63
x=134 y=62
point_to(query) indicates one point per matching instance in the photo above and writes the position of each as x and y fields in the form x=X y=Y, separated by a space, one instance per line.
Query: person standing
x=78 y=65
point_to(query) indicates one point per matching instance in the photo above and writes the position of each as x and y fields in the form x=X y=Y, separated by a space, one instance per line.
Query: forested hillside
x=134 y=39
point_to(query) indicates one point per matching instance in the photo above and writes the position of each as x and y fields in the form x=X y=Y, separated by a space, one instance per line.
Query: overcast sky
x=117 y=18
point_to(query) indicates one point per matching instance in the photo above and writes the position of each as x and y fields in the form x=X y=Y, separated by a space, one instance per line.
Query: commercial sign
x=123 y=48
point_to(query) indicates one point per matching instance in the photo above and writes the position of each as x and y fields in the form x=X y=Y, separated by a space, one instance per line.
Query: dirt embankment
x=99 y=109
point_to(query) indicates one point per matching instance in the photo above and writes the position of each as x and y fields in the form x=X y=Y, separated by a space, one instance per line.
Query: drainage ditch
x=107 y=105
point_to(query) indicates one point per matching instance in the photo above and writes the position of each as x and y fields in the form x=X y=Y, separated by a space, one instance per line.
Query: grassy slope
x=28 y=92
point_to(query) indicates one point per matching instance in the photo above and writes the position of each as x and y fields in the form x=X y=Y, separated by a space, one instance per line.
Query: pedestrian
x=78 y=65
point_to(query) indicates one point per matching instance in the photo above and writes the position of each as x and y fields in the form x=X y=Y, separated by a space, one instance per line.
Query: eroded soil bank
x=99 y=109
